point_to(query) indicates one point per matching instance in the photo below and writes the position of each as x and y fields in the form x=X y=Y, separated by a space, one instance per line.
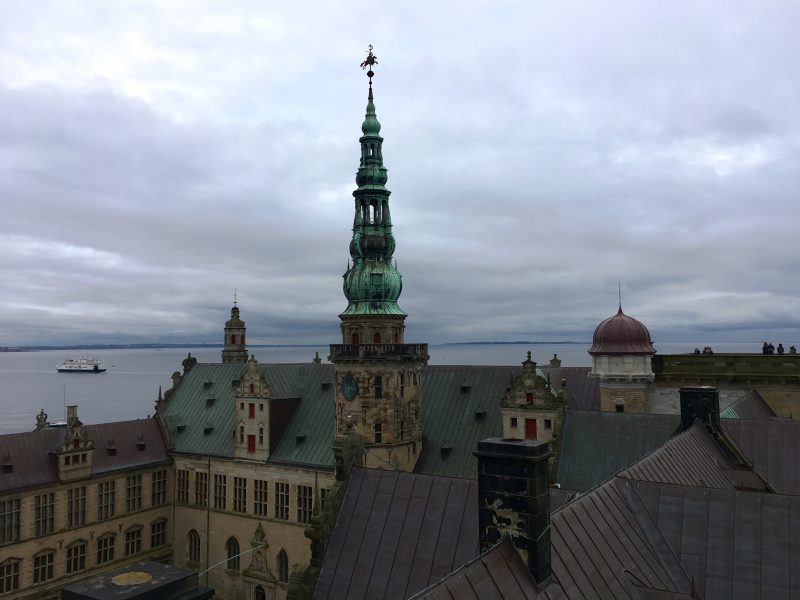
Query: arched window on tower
x=232 y=551
x=376 y=338
x=193 y=546
x=355 y=339
x=233 y=339
x=283 y=566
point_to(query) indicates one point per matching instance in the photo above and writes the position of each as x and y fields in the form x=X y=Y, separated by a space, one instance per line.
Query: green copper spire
x=372 y=284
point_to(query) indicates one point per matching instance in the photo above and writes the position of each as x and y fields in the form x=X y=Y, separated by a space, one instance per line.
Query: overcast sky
x=156 y=156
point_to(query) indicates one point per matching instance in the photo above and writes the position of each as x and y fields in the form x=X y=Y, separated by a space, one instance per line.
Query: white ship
x=81 y=364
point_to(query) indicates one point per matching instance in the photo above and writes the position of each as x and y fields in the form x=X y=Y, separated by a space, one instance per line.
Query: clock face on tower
x=349 y=386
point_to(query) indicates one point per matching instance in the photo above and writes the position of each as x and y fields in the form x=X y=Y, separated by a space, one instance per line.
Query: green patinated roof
x=617 y=441
x=208 y=427
x=448 y=415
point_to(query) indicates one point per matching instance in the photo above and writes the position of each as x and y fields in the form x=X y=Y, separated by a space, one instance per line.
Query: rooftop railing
x=379 y=350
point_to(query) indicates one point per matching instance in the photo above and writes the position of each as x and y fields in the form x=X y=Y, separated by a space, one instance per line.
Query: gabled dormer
x=76 y=451
x=252 y=396
x=531 y=409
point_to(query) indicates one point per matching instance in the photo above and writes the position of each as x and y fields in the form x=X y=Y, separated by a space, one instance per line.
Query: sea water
x=129 y=388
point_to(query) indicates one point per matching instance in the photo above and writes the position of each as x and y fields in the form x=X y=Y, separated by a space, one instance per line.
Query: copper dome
x=621 y=334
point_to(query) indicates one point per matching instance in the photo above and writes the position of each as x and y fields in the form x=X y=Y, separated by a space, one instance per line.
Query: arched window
x=233 y=339
x=232 y=549
x=355 y=339
x=376 y=338
x=193 y=546
x=260 y=593
x=283 y=567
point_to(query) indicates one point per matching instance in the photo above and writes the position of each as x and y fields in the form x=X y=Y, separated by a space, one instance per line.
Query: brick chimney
x=514 y=499
x=699 y=404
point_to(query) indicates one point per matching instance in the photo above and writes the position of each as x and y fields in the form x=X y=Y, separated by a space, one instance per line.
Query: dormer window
x=480 y=415
x=465 y=388
x=207 y=385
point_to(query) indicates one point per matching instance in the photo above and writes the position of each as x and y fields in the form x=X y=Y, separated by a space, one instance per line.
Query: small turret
x=235 y=350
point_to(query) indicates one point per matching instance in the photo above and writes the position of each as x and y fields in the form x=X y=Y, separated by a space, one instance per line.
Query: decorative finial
x=619 y=291
x=234 y=296
x=371 y=60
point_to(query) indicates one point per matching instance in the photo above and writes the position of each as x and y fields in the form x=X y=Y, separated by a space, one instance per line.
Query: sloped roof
x=617 y=440
x=497 y=574
x=397 y=533
x=583 y=391
x=449 y=415
x=31 y=453
x=750 y=406
x=691 y=458
x=733 y=544
x=188 y=407
x=773 y=447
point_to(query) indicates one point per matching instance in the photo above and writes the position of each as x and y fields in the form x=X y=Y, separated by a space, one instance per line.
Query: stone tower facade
x=378 y=375
x=622 y=354
x=235 y=350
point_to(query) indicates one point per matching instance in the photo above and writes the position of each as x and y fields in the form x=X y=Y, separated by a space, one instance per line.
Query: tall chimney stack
x=514 y=499
x=699 y=404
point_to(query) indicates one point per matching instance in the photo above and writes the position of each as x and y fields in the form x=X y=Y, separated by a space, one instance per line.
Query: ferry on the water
x=81 y=364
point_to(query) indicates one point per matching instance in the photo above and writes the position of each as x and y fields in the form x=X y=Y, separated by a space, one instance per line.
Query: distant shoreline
x=156 y=346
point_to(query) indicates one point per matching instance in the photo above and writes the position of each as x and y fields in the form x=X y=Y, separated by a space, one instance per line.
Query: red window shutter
x=252 y=410
x=376 y=339
x=251 y=444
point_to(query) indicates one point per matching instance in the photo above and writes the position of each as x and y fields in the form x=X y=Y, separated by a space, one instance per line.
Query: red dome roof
x=621 y=334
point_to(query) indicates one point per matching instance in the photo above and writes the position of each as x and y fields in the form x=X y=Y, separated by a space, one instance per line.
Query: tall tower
x=378 y=375
x=234 y=350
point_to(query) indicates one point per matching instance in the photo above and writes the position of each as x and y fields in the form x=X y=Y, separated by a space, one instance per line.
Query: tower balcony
x=356 y=352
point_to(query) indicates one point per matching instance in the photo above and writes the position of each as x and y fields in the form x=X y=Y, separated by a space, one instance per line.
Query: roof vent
x=235 y=383
x=210 y=401
x=301 y=436
x=111 y=448
x=180 y=427
x=208 y=428
x=465 y=388
x=207 y=385
x=140 y=444
x=480 y=415
x=446 y=450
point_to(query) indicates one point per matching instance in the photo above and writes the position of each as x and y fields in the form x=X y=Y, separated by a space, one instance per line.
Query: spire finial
x=619 y=292
x=234 y=296
x=367 y=64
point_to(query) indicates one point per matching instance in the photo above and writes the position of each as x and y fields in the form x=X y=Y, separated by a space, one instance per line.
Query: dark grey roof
x=733 y=544
x=595 y=445
x=397 y=533
x=750 y=406
x=773 y=447
x=693 y=458
x=583 y=391
x=497 y=574
x=31 y=453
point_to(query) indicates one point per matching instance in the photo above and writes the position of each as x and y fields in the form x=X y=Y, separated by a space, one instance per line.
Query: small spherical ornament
x=370 y=74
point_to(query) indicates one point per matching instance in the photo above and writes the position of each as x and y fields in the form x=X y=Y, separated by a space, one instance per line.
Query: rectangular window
x=133 y=541
x=305 y=500
x=43 y=567
x=220 y=491
x=251 y=444
x=260 y=436
x=282 y=501
x=106 y=500
x=260 y=498
x=514 y=422
x=183 y=485
x=76 y=507
x=43 y=513
x=378 y=428
x=378 y=387
x=158 y=534
x=9 y=521
x=76 y=557
x=133 y=493
x=240 y=494
x=251 y=410
x=201 y=489
x=105 y=549
x=548 y=423
x=158 y=484
x=323 y=495
x=9 y=576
